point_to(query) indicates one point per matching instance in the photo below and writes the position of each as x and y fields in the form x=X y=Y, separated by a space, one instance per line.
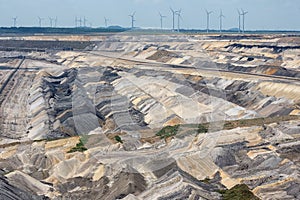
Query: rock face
x=83 y=125
x=9 y=192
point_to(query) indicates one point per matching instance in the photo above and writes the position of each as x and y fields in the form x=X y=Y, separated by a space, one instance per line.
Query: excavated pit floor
x=132 y=86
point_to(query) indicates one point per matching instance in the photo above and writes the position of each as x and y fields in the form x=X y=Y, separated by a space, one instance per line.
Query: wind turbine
x=221 y=16
x=55 y=22
x=132 y=20
x=208 y=13
x=161 y=20
x=76 y=20
x=51 y=21
x=80 y=22
x=105 y=21
x=178 y=13
x=243 y=14
x=173 y=13
x=84 y=21
x=239 y=13
x=15 y=21
x=40 y=21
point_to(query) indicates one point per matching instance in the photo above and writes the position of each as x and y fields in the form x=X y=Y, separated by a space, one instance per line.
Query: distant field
x=40 y=45
x=87 y=30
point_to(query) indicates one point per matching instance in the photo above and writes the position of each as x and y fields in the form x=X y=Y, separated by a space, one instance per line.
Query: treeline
x=48 y=30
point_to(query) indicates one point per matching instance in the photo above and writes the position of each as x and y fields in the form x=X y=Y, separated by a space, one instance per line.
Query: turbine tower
x=132 y=20
x=84 y=21
x=178 y=13
x=161 y=20
x=239 y=14
x=40 y=21
x=243 y=14
x=15 y=21
x=208 y=13
x=51 y=21
x=76 y=20
x=173 y=14
x=80 y=22
x=55 y=22
x=221 y=16
x=105 y=21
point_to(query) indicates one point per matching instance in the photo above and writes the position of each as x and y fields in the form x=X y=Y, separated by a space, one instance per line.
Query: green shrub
x=202 y=129
x=118 y=139
x=79 y=147
x=206 y=180
x=168 y=131
x=243 y=122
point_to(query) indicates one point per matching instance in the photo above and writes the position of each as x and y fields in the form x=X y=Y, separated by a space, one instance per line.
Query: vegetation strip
x=170 y=131
x=238 y=192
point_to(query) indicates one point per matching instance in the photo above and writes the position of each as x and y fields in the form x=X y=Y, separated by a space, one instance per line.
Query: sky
x=263 y=14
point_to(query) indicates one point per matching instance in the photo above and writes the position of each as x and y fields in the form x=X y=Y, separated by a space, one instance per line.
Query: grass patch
x=238 y=192
x=79 y=147
x=206 y=180
x=202 y=128
x=118 y=139
x=168 y=131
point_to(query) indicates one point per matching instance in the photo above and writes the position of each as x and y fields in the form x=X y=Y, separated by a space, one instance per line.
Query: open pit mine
x=140 y=116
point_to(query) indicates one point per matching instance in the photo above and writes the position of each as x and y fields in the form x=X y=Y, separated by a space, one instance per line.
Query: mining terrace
x=140 y=116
